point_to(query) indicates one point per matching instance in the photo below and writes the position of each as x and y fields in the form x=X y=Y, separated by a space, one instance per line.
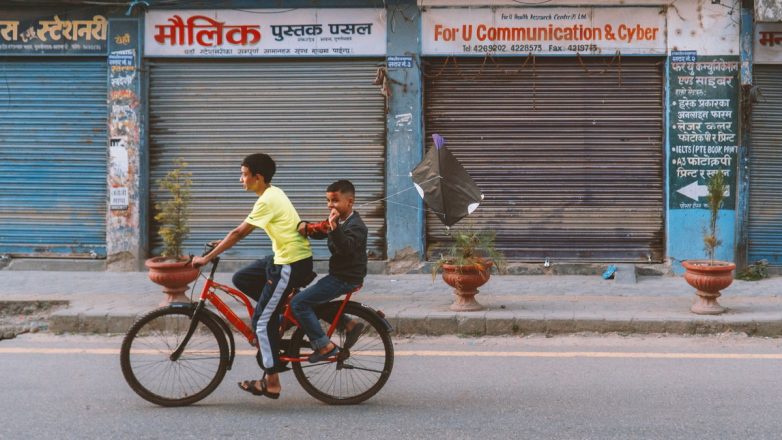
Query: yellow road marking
x=592 y=354
x=440 y=353
x=22 y=350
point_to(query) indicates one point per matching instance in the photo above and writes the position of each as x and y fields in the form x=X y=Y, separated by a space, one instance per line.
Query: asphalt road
x=575 y=387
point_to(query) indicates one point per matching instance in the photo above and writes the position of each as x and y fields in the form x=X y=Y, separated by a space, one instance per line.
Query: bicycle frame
x=178 y=354
x=208 y=293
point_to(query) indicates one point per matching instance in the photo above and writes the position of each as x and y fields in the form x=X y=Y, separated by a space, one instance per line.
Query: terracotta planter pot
x=174 y=276
x=708 y=279
x=465 y=280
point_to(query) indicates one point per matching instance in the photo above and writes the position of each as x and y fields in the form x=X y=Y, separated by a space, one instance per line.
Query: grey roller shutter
x=321 y=120
x=53 y=153
x=765 y=162
x=568 y=153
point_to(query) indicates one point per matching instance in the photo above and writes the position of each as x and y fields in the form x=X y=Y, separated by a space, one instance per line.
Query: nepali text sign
x=399 y=62
x=561 y=30
x=27 y=33
x=704 y=128
x=768 y=43
x=124 y=122
x=265 y=33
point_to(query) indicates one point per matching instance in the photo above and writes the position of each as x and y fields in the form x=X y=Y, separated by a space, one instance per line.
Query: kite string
x=416 y=207
x=400 y=192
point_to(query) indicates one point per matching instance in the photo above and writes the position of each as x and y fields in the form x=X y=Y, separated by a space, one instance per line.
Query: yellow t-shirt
x=275 y=214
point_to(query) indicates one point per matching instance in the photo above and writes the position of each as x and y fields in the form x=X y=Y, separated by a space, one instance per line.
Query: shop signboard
x=768 y=43
x=704 y=128
x=44 y=33
x=265 y=33
x=541 y=30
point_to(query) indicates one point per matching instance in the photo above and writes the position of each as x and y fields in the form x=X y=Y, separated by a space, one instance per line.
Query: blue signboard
x=684 y=56
x=39 y=33
x=399 y=62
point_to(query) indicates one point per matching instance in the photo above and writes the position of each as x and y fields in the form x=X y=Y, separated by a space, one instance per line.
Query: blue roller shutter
x=765 y=168
x=53 y=157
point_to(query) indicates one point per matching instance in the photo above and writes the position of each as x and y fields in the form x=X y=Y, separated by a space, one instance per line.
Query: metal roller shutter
x=765 y=159
x=53 y=153
x=568 y=153
x=320 y=121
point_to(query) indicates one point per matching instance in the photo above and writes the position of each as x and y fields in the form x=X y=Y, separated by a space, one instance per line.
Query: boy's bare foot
x=273 y=383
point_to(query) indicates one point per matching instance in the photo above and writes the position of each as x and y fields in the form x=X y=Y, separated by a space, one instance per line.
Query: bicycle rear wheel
x=360 y=372
x=146 y=357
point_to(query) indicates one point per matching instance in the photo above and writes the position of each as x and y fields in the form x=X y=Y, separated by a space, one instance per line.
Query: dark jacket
x=348 y=246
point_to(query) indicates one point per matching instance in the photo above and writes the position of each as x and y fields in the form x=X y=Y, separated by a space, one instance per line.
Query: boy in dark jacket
x=347 y=241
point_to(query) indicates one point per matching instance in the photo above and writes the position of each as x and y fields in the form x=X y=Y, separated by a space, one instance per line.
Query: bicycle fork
x=193 y=324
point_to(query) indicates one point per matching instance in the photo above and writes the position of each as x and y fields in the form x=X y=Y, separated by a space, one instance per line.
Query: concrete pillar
x=123 y=226
x=404 y=216
x=742 y=172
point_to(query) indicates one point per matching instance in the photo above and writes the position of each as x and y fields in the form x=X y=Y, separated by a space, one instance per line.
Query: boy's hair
x=342 y=186
x=260 y=163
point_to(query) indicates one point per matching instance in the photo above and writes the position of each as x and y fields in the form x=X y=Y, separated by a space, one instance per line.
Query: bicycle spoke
x=364 y=369
x=353 y=367
x=147 y=364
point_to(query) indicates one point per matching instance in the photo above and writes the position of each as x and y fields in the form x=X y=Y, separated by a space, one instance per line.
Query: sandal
x=318 y=357
x=251 y=386
x=351 y=337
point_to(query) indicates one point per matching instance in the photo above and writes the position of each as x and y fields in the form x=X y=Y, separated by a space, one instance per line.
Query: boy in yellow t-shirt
x=268 y=281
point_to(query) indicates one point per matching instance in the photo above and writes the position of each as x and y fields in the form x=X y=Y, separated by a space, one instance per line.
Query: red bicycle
x=178 y=354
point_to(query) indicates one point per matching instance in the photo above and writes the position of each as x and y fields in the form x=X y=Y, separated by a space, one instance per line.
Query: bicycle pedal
x=343 y=355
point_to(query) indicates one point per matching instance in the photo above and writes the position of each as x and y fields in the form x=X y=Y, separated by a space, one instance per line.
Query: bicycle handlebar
x=208 y=246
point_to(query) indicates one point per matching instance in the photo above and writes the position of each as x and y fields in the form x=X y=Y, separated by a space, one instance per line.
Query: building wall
x=710 y=30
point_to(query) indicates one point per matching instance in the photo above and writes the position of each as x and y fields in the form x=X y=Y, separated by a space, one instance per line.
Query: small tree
x=174 y=213
x=716 y=195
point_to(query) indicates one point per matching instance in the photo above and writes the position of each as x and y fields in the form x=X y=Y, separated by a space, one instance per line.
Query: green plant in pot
x=467 y=265
x=710 y=276
x=171 y=269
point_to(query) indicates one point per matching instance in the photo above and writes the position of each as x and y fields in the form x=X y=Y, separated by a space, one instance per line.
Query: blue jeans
x=326 y=289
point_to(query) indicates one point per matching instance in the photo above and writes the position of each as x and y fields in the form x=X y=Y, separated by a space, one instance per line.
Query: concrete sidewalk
x=108 y=302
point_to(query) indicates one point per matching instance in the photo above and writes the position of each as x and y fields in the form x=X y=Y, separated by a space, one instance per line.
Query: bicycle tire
x=146 y=363
x=363 y=373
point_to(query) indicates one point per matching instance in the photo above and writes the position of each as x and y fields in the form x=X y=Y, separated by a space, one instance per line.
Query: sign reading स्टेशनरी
x=56 y=34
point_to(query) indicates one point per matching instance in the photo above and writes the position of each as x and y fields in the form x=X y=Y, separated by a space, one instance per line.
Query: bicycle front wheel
x=146 y=357
x=360 y=371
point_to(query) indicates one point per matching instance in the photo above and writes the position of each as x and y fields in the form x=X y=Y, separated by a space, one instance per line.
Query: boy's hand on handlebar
x=199 y=261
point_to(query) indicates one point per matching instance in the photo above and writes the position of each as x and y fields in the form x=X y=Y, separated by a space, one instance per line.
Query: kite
x=444 y=184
